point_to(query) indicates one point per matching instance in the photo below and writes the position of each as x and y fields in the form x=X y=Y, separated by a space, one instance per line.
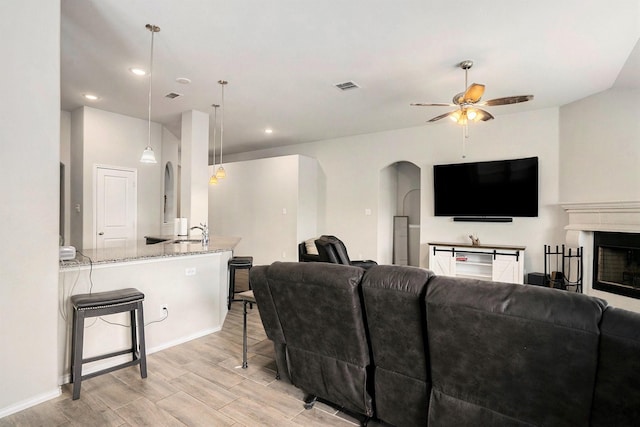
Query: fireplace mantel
x=587 y=218
x=604 y=216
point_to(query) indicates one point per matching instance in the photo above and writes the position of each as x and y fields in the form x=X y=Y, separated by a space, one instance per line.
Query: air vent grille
x=173 y=95
x=347 y=85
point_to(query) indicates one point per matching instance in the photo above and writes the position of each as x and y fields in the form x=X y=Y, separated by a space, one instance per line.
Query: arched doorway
x=399 y=209
x=169 y=208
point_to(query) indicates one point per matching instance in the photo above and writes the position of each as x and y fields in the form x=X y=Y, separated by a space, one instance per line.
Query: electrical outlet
x=190 y=271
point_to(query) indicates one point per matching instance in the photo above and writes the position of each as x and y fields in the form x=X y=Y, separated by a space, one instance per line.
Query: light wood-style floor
x=198 y=383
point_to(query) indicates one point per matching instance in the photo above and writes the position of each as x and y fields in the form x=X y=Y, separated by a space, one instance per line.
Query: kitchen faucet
x=205 y=233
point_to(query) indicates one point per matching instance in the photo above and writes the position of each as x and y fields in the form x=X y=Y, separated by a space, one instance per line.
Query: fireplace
x=616 y=263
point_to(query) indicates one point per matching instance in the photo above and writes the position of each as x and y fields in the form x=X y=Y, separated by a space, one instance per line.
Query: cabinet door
x=506 y=268
x=442 y=263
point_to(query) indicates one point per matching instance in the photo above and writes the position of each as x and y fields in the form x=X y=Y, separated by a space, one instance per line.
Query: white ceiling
x=283 y=57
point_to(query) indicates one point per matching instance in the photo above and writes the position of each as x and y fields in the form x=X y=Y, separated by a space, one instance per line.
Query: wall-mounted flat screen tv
x=502 y=188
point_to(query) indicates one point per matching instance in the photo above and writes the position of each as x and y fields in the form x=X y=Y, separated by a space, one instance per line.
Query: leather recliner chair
x=332 y=250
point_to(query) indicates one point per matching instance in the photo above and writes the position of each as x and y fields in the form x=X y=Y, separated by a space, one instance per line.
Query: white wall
x=352 y=165
x=267 y=203
x=65 y=158
x=30 y=149
x=111 y=139
x=600 y=151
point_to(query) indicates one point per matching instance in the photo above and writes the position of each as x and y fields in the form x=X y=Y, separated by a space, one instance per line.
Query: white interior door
x=115 y=207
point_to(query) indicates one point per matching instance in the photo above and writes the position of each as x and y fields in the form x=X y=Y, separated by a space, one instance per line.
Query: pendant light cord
x=152 y=28
x=215 y=125
x=222 y=120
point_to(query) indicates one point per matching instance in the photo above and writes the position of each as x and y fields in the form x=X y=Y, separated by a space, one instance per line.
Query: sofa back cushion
x=505 y=354
x=394 y=305
x=616 y=399
x=332 y=250
x=319 y=309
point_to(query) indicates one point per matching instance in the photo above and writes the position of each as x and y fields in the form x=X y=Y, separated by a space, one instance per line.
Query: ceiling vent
x=173 y=95
x=346 y=85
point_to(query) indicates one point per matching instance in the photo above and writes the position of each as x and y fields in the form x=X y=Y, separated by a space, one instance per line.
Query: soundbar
x=481 y=219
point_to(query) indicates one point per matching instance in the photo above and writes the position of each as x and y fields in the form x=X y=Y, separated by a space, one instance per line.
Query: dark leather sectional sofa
x=412 y=349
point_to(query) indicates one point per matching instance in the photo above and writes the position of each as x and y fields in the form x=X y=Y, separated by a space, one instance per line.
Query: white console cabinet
x=484 y=262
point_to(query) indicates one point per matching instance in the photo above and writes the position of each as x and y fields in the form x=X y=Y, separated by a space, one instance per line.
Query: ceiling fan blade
x=473 y=93
x=507 y=100
x=418 y=104
x=483 y=115
x=442 y=116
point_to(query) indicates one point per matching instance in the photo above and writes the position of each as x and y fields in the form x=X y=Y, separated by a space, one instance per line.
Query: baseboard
x=481 y=219
x=28 y=403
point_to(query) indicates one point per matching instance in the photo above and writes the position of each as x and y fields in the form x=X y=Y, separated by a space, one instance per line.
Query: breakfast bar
x=184 y=285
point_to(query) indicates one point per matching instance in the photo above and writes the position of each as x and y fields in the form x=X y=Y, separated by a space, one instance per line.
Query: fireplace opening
x=616 y=266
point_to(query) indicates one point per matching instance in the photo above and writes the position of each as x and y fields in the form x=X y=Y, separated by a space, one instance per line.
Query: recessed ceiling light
x=268 y=130
x=138 y=71
x=90 y=97
x=183 y=80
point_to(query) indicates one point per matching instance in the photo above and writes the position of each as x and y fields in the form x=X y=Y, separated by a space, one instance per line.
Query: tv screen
x=503 y=188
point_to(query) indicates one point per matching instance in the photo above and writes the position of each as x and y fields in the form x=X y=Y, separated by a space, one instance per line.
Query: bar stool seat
x=237 y=263
x=100 y=304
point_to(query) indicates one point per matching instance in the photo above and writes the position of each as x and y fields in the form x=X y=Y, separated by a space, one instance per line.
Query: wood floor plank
x=193 y=412
x=204 y=390
x=281 y=402
x=250 y=413
x=142 y=412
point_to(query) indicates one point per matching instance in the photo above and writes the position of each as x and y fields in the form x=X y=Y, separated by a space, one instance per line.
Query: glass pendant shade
x=220 y=173
x=213 y=180
x=148 y=155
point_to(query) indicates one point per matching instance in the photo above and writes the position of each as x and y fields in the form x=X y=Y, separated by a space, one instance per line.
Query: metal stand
x=563 y=259
x=246 y=297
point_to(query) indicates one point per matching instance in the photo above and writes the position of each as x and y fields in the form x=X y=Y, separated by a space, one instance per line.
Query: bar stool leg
x=143 y=347
x=76 y=356
x=244 y=336
x=134 y=335
x=232 y=286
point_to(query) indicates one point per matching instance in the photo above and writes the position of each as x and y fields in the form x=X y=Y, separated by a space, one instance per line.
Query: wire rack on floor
x=567 y=273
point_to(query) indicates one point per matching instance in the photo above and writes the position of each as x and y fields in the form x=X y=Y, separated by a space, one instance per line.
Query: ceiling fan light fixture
x=472 y=114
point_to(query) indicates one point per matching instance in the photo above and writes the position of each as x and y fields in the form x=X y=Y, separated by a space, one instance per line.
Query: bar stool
x=237 y=263
x=100 y=304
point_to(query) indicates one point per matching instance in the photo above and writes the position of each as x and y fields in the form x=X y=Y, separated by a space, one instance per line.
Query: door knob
x=101 y=233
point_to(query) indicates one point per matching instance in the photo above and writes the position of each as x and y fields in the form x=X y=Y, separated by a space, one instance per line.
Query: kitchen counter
x=140 y=250
x=190 y=280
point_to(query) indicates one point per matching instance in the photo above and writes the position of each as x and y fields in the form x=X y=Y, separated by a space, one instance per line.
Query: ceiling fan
x=469 y=101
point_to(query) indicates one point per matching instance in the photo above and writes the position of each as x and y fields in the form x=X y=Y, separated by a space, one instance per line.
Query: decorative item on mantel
x=148 y=155
x=475 y=241
x=214 y=179
x=220 y=173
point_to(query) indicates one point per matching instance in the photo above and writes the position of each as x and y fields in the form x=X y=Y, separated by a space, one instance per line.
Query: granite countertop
x=140 y=251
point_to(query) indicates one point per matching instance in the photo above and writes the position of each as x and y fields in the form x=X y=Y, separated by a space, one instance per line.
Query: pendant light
x=220 y=173
x=148 y=155
x=214 y=179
